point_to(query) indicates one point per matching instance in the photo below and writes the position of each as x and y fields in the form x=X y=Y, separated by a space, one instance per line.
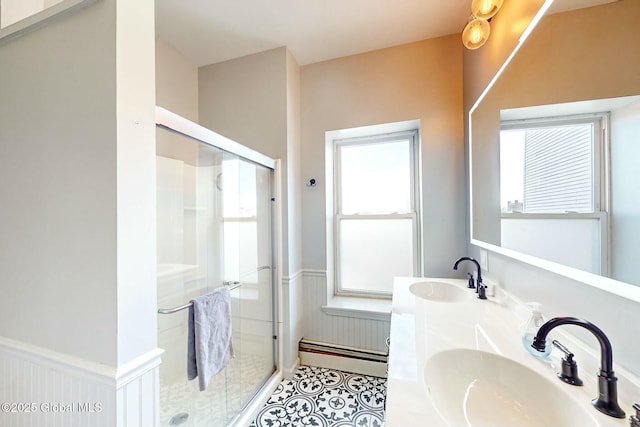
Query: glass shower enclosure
x=215 y=228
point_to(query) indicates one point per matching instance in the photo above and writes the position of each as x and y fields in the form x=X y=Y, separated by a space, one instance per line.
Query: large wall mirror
x=555 y=144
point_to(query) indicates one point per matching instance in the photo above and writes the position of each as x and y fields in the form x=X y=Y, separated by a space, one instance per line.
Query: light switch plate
x=484 y=260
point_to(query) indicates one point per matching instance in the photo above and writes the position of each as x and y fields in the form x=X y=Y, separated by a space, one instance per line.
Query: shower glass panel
x=214 y=229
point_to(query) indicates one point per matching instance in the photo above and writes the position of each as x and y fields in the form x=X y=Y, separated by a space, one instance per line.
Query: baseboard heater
x=342 y=351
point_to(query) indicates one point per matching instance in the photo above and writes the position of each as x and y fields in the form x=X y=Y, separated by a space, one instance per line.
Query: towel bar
x=231 y=285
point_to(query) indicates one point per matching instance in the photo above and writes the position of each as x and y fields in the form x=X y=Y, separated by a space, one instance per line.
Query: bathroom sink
x=440 y=292
x=480 y=389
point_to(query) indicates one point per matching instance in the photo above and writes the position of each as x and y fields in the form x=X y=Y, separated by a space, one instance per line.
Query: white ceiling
x=210 y=31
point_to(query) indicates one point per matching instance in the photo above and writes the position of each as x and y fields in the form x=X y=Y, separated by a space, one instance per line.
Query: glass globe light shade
x=476 y=33
x=485 y=9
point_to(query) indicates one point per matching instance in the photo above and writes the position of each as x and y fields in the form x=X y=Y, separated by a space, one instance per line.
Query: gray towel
x=209 y=348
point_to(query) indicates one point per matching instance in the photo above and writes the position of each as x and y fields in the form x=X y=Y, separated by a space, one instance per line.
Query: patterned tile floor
x=323 y=397
x=183 y=404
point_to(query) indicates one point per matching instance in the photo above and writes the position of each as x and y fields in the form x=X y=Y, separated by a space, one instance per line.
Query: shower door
x=214 y=229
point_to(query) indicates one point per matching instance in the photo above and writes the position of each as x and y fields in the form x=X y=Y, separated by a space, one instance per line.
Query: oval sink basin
x=480 y=389
x=440 y=292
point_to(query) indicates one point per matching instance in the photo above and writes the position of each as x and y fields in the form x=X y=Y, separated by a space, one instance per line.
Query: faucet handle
x=471 y=284
x=482 y=290
x=569 y=370
x=634 y=420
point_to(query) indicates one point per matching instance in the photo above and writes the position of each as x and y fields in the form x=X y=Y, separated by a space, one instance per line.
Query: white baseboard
x=288 y=373
x=347 y=364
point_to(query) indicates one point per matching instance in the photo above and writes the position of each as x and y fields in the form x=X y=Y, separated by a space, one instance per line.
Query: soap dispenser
x=530 y=329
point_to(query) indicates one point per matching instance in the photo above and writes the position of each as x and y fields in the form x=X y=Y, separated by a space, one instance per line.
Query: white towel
x=209 y=347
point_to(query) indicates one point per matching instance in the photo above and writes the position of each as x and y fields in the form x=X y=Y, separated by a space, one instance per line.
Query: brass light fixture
x=477 y=30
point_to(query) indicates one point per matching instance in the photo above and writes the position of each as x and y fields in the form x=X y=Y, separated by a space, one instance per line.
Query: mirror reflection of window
x=549 y=168
x=12 y=11
x=512 y=170
x=553 y=189
x=239 y=191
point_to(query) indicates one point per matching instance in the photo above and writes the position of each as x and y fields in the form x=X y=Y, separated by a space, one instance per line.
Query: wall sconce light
x=477 y=30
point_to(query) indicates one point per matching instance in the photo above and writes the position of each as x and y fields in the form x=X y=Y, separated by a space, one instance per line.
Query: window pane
x=559 y=169
x=241 y=251
x=512 y=170
x=569 y=241
x=373 y=251
x=238 y=186
x=548 y=169
x=376 y=177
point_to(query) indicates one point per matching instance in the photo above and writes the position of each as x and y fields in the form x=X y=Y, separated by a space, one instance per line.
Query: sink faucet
x=480 y=289
x=607 y=400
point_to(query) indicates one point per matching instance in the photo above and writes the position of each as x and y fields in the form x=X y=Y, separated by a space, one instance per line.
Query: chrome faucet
x=481 y=289
x=607 y=400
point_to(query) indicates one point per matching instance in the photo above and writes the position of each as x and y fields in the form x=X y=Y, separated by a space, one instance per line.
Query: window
x=553 y=187
x=375 y=212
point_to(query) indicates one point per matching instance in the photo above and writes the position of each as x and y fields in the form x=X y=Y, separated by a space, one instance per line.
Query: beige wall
x=58 y=239
x=245 y=99
x=77 y=236
x=585 y=54
x=176 y=81
x=414 y=81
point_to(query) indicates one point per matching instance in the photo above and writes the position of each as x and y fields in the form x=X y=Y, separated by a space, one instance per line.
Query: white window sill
x=361 y=308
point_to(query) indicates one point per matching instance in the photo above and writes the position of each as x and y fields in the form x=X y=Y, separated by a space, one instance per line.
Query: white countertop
x=492 y=325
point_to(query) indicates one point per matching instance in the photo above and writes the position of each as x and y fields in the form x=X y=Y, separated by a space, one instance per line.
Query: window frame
x=413 y=214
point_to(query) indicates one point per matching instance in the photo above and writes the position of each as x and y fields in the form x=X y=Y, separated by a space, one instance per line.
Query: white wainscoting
x=352 y=331
x=42 y=388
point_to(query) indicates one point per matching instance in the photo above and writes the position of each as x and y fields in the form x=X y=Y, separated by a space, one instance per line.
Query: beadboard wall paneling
x=42 y=388
x=349 y=331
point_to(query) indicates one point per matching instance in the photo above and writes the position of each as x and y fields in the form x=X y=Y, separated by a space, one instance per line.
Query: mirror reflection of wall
x=576 y=66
